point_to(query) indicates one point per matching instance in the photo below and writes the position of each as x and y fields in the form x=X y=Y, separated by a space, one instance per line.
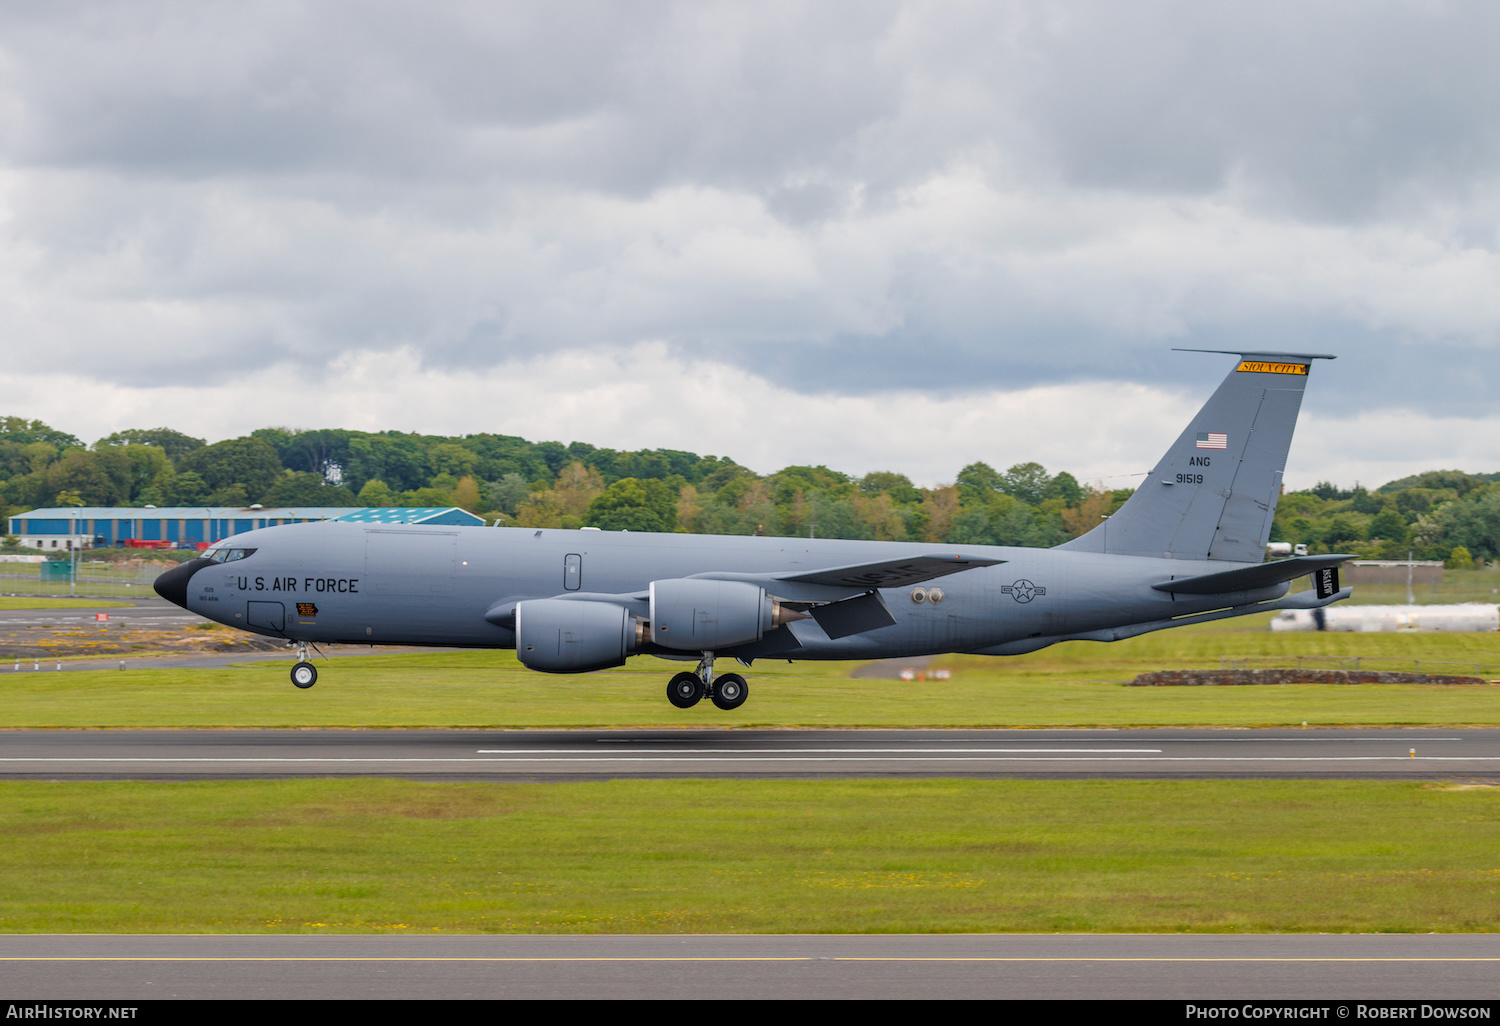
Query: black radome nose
x=173 y=584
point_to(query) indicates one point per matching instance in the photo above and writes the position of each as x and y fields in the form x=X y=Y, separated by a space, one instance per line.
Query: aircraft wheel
x=730 y=691
x=304 y=675
x=685 y=690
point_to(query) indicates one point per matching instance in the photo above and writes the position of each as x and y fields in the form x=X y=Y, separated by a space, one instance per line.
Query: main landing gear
x=727 y=691
x=304 y=674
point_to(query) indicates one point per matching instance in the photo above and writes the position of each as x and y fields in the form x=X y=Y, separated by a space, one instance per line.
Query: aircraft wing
x=831 y=584
x=1251 y=577
x=890 y=573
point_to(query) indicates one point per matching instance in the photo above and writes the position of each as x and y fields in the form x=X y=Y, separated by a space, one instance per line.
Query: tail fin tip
x=1213 y=494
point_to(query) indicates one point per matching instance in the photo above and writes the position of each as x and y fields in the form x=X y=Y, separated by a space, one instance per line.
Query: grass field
x=1074 y=684
x=372 y=855
x=33 y=602
x=380 y=856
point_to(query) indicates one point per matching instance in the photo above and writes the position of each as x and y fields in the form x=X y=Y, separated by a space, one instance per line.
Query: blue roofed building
x=445 y=515
x=62 y=528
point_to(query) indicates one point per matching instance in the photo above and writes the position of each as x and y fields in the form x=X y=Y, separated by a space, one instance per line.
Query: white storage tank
x=1465 y=617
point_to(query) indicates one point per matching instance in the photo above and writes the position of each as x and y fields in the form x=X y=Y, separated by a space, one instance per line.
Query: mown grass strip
x=363 y=856
x=30 y=602
x=1074 y=684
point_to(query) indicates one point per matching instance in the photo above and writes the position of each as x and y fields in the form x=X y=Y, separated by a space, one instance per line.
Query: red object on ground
x=141 y=543
x=101 y=617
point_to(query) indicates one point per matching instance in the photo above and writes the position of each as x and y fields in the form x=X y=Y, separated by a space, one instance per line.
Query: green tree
x=249 y=464
x=1473 y=524
x=978 y=482
x=1457 y=480
x=634 y=505
x=38 y=456
x=897 y=486
x=303 y=488
x=1414 y=501
x=232 y=494
x=376 y=493
x=833 y=515
x=1027 y=482
x=1388 y=525
x=1340 y=530
x=1363 y=502
x=629 y=518
x=1328 y=491
x=972 y=526
x=324 y=452
x=466 y=494
x=1066 y=487
x=150 y=468
x=450 y=458
x=20 y=431
x=173 y=443
x=101 y=478
x=721 y=475
x=509 y=492
x=555 y=455
x=397 y=459
x=434 y=497
x=188 y=489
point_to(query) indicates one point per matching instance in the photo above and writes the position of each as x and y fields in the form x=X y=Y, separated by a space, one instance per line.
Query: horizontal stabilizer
x=1251 y=578
x=891 y=573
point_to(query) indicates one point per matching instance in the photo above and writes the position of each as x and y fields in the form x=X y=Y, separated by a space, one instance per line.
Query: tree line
x=508 y=479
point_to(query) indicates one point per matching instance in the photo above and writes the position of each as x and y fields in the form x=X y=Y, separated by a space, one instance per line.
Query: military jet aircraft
x=1188 y=547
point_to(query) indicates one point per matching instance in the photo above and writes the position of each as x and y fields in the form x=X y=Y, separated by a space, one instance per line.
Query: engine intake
x=563 y=636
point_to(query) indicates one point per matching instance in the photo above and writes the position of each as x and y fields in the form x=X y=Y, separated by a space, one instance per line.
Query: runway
x=1426 y=753
x=1197 y=967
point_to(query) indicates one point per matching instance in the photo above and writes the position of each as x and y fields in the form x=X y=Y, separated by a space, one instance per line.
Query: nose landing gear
x=304 y=674
x=728 y=691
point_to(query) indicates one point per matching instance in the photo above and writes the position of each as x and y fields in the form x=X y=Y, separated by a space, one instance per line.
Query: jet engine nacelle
x=692 y=614
x=563 y=636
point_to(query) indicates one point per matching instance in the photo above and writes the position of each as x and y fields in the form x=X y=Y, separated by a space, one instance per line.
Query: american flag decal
x=1212 y=440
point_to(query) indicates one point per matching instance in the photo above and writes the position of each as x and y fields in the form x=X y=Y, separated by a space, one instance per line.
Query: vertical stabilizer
x=1213 y=494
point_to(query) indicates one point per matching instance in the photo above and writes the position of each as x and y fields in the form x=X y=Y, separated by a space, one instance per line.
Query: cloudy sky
x=871 y=235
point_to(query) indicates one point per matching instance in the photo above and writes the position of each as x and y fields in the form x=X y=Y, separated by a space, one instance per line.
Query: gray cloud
x=856 y=197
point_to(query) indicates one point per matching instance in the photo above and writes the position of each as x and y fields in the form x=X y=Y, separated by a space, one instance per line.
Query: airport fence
x=1387 y=663
x=94 y=580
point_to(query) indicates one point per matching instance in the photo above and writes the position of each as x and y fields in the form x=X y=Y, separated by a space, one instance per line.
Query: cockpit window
x=227 y=555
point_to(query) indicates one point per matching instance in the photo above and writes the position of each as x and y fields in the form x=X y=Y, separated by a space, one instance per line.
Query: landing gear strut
x=729 y=691
x=304 y=674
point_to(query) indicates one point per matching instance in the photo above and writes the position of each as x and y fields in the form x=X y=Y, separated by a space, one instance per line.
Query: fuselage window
x=572 y=572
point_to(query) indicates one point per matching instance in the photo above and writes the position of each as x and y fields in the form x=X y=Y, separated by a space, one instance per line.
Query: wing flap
x=868 y=612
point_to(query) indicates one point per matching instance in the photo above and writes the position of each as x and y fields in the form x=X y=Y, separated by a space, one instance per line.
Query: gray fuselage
x=412 y=585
